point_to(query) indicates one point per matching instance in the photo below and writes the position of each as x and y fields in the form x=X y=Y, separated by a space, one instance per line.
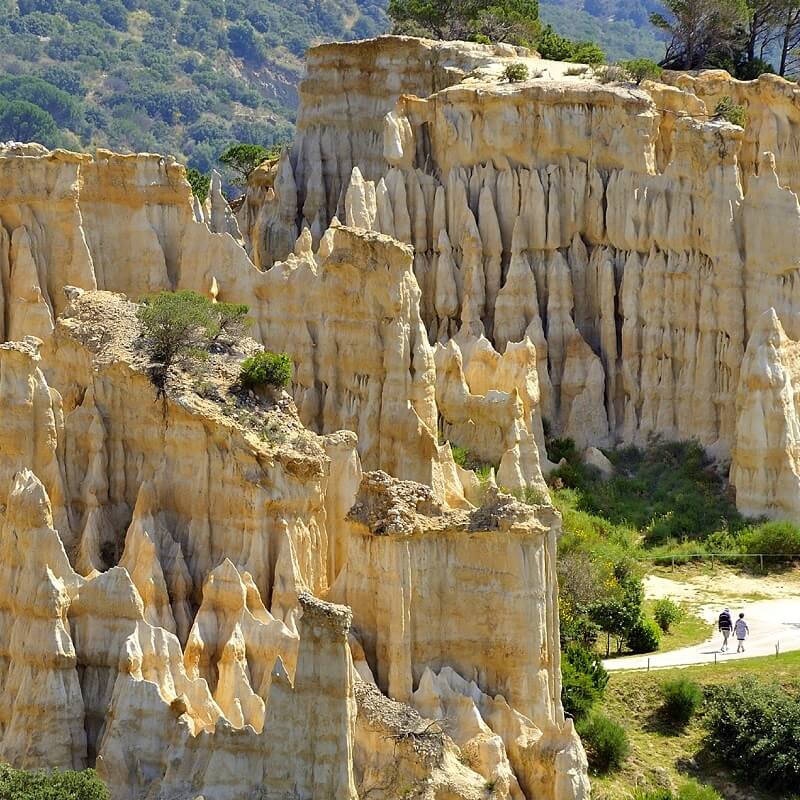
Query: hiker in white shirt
x=741 y=630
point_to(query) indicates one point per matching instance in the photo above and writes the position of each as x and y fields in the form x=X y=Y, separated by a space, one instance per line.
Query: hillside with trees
x=746 y=37
x=621 y=27
x=187 y=77
x=192 y=77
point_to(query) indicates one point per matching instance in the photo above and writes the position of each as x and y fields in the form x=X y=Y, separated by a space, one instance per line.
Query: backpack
x=725 y=620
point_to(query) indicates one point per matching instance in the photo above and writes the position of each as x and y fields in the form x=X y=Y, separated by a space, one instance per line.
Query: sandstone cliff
x=160 y=610
x=634 y=238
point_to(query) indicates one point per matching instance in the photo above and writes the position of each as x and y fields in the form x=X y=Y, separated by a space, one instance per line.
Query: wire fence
x=678 y=559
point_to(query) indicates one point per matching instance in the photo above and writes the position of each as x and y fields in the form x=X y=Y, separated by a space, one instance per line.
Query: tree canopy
x=514 y=21
x=700 y=30
x=22 y=121
x=242 y=159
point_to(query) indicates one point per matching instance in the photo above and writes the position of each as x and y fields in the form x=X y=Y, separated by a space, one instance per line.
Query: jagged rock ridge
x=161 y=608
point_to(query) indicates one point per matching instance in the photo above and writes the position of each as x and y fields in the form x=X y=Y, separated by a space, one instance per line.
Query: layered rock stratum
x=291 y=595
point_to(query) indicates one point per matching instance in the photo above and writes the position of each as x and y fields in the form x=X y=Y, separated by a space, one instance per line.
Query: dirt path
x=771 y=606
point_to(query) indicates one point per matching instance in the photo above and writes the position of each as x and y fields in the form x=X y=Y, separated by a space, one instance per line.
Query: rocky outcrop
x=430 y=589
x=765 y=468
x=571 y=212
x=342 y=380
x=41 y=721
x=160 y=622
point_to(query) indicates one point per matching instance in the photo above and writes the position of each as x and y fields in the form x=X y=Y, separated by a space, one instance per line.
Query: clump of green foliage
x=644 y=636
x=18 y=784
x=731 y=112
x=605 y=741
x=776 y=539
x=681 y=699
x=516 y=72
x=670 y=491
x=174 y=325
x=583 y=680
x=760 y=740
x=688 y=790
x=242 y=159
x=555 y=47
x=181 y=326
x=266 y=369
x=200 y=183
x=467 y=460
x=641 y=69
x=460 y=455
x=692 y=790
x=666 y=613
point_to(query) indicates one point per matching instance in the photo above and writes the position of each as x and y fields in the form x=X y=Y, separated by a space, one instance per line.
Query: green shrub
x=666 y=613
x=516 y=73
x=562 y=448
x=460 y=455
x=266 y=369
x=605 y=741
x=587 y=53
x=555 y=47
x=583 y=680
x=175 y=325
x=199 y=182
x=772 y=538
x=180 y=326
x=641 y=69
x=17 y=784
x=731 y=112
x=681 y=699
x=755 y=728
x=644 y=636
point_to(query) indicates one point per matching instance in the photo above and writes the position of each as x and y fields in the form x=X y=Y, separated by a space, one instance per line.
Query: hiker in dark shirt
x=725 y=626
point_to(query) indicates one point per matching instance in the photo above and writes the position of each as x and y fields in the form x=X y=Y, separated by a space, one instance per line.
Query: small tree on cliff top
x=242 y=159
x=513 y=21
x=181 y=326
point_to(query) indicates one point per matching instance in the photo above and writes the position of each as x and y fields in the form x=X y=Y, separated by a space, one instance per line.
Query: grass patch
x=659 y=755
x=669 y=492
x=689 y=629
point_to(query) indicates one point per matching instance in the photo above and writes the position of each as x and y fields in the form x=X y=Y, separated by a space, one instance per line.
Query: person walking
x=741 y=630
x=725 y=625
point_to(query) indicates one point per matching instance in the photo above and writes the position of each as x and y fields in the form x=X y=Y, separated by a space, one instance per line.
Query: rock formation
x=169 y=619
x=573 y=213
x=233 y=595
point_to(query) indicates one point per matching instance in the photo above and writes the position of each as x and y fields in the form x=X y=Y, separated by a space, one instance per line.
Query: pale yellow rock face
x=765 y=467
x=410 y=561
x=359 y=290
x=633 y=238
x=162 y=620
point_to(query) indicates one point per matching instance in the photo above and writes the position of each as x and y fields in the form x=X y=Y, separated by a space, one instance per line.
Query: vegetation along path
x=771 y=606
